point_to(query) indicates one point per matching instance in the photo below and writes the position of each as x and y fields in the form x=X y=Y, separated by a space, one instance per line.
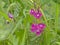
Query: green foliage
x=17 y=32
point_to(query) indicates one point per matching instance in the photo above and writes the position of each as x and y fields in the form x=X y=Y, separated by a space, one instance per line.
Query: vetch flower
x=33 y=28
x=37 y=28
x=10 y=15
x=32 y=12
x=38 y=32
x=36 y=13
x=41 y=25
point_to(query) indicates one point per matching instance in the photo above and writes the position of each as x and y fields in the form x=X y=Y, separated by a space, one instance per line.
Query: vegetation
x=17 y=31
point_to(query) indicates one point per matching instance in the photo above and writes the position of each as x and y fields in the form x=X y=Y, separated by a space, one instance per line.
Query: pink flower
x=37 y=28
x=37 y=14
x=32 y=11
x=10 y=15
x=41 y=25
x=38 y=32
x=33 y=28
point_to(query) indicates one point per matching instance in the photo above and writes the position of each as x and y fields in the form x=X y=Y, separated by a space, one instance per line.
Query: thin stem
x=44 y=17
x=56 y=18
x=47 y=31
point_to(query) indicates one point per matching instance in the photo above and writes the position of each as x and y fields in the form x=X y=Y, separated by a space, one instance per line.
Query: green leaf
x=4 y=15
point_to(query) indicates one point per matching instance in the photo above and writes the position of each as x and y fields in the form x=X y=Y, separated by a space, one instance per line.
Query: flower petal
x=41 y=25
x=33 y=27
x=32 y=11
x=37 y=14
x=38 y=32
x=10 y=15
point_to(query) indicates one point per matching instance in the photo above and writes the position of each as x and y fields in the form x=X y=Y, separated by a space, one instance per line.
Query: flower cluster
x=37 y=14
x=37 y=28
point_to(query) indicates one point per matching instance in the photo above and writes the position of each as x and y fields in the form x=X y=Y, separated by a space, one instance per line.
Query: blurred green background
x=17 y=32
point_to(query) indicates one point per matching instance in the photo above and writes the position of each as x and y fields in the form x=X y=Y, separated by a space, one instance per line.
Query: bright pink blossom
x=37 y=28
x=37 y=14
x=32 y=12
